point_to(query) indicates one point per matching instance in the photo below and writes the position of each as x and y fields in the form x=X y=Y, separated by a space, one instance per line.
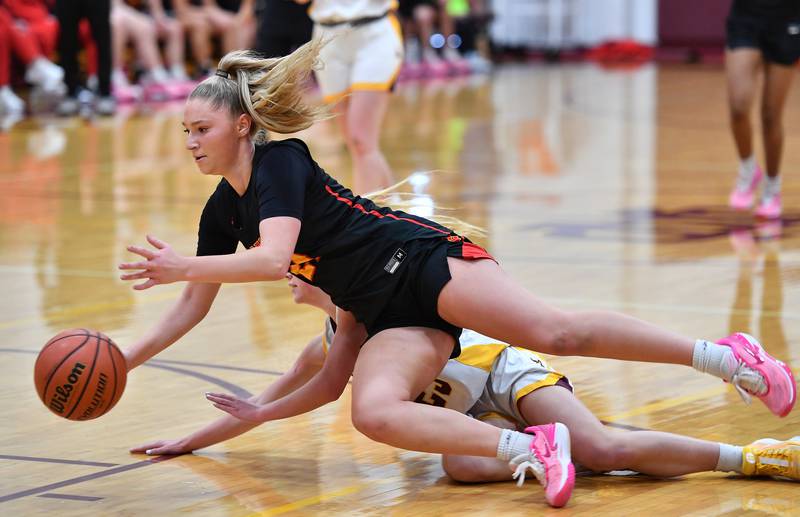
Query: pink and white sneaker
x=742 y=198
x=550 y=461
x=761 y=374
x=770 y=207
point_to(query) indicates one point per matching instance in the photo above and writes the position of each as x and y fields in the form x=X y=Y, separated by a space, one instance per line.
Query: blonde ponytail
x=270 y=90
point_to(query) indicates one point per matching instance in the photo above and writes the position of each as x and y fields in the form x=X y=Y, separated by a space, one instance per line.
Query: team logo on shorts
x=398 y=257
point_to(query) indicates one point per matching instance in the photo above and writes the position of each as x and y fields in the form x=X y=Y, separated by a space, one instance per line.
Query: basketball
x=80 y=374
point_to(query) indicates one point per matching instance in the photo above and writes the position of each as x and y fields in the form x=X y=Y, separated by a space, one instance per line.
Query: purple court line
x=56 y=460
x=154 y=362
x=71 y=497
x=217 y=366
x=81 y=479
x=236 y=390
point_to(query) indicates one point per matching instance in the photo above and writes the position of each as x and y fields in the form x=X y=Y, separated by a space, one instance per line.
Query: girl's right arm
x=188 y=311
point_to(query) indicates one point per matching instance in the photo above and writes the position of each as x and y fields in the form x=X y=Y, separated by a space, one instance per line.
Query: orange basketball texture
x=80 y=374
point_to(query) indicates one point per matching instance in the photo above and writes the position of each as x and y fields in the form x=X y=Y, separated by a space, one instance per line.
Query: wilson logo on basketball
x=63 y=392
x=97 y=398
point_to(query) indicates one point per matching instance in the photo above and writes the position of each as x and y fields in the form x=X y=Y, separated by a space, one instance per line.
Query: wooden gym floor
x=599 y=188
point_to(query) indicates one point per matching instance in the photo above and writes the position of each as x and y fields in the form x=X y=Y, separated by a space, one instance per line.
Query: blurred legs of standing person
x=761 y=41
x=69 y=14
x=361 y=63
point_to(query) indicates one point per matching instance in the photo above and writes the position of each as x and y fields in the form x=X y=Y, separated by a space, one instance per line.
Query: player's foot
x=549 y=460
x=769 y=207
x=743 y=195
x=768 y=457
x=761 y=375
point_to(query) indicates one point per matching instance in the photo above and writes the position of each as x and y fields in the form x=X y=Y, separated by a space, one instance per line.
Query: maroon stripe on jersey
x=377 y=214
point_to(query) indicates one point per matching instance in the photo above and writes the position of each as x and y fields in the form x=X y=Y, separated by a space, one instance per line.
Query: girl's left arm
x=326 y=386
x=269 y=261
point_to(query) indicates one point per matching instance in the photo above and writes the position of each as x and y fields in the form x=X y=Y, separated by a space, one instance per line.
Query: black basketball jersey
x=771 y=10
x=350 y=247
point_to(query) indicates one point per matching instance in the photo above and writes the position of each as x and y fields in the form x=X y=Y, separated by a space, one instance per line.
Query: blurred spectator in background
x=283 y=25
x=232 y=20
x=98 y=13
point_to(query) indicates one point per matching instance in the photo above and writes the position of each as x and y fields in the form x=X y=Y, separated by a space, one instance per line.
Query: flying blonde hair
x=270 y=90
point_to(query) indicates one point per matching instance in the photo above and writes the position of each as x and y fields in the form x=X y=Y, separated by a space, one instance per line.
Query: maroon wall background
x=692 y=23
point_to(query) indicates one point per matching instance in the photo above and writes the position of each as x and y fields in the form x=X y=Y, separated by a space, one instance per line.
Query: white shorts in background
x=514 y=374
x=366 y=57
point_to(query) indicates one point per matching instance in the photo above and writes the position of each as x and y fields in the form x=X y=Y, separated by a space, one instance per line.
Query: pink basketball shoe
x=549 y=460
x=757 y=367
x=742 y=198
x=769 y=208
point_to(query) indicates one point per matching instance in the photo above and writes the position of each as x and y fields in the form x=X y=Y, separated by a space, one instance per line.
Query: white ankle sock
x=718 y=360
x=512 y=444
x=730 y=458
x=747 y=168
x=772 y=187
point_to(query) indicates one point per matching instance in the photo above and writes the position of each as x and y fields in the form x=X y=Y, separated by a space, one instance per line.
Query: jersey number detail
x=303 y=265
x=441 y=389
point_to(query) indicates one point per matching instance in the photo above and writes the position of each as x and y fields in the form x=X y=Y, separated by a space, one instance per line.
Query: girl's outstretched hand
x=233 y=405
x=161 y=265
x=173 y=447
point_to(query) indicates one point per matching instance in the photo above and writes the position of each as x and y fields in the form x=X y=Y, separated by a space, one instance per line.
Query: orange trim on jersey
x=377 y=214
x=473 y=251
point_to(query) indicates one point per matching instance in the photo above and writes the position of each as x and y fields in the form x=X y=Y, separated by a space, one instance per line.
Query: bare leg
x=364 y=117
x=478 y=469
x=172 y=32
x=482 y=297
x=594 y=445
x=742 y=66
x=602 y=448
x=392 y=369
x=777 y=81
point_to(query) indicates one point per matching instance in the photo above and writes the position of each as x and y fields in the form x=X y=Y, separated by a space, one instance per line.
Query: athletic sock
x=512 y=444
x=718 y=360
x=747 y=169
x=772 y=187
x=730 y=458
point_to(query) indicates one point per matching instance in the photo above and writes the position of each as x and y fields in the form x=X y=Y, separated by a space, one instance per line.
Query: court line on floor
x=80 y=479
x=310 y=501
x=57 y=460
x=71 y=497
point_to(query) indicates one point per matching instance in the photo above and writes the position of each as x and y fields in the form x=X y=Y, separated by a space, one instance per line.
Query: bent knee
x=360 y=143
x=469 y=469
x=459 y=470
x=374 y=424
x=562 y=336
